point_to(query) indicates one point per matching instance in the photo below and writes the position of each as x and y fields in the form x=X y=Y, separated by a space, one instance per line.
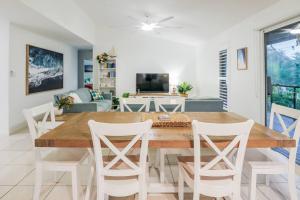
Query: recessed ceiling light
x=149 y=27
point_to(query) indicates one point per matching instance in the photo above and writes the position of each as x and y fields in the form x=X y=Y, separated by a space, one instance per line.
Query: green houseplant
x=125 y=95
x=63 y=102
x=103 y=58
x=184 y=88
x=115 y=103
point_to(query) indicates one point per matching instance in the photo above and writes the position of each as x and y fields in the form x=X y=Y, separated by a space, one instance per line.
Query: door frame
x=262 y=51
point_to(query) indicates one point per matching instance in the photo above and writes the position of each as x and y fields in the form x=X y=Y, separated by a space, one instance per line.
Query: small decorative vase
x=184 y=94
x=58 y=112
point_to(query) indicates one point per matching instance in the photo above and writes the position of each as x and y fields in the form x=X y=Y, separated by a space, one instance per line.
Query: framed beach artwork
x=44 y=70
x=242 y=59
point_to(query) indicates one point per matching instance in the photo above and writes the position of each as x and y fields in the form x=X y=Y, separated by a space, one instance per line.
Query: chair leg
x=38 y=181
x=292 y=186
x=90 y=181
x=180 y=185
x=100 y=192
x=196 y=196
x=252 y=184
x=75 y=184
x=267 y=180
x=236 y=196
x=143 y=192
x=156 y=163
x=162 y=165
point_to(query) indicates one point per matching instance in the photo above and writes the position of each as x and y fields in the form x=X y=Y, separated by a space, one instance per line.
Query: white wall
x=246 y=94
x=138 y=53
x=4 y=66
x=67 y=14
x=17 y=98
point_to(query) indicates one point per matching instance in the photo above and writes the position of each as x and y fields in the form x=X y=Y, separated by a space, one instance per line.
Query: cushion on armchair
x=84 y=95
x=75 y=97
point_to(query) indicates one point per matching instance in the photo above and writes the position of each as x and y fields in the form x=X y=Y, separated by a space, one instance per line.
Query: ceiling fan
x=295 y=31
x=149 y=24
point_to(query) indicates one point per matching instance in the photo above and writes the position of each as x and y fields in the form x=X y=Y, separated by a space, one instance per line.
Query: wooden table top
x=75 y=131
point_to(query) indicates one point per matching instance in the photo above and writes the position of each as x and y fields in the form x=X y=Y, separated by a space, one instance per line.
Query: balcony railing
x=286 y=95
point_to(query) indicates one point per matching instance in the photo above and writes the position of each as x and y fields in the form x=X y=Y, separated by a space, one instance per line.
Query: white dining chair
x=141 y=104
x=171 y=105
x=53 y=160
x=218 y=175
x=278 y=163
x=176 y=104
x=120 y=175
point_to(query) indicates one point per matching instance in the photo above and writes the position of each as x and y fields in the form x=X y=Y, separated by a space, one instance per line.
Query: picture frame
x=44 y=70
x=242 y=59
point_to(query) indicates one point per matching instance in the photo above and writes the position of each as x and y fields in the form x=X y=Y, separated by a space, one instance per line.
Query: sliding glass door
x=282 y=61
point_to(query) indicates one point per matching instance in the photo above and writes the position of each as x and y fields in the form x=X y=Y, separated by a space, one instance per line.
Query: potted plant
x=115 y=103
x=184 y=88
x=103 y=58
x=63 y=102
x=125 y=95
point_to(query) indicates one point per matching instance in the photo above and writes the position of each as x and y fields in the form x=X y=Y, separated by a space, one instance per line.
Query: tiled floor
x=17 y=176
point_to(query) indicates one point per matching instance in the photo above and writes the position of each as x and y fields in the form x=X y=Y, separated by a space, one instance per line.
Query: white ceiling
x=23 y=16
x=200 y=19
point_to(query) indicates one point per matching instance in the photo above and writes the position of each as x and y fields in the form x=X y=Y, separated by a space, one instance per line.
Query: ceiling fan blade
x=172 y=27
x=133 y=19
x=165 y=19
x=124 y=27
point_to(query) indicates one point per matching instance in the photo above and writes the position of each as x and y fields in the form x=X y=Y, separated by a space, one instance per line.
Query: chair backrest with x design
x=236 y=133
x=37 y=119
x=141 y=104
x=101 y=132
x=178 y=104
x=279 y=112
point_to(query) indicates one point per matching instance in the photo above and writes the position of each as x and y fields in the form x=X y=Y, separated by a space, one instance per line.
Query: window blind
x=223 y=82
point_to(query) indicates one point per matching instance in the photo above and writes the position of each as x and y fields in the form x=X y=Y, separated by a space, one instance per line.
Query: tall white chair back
x=142 y=103
x=56 y=160
x=37 y=119
x=208 y=174
x=278 y=112
x=277 y=164
x=178 y=102
x=101 y=133
x=164 y=104
x=203 y=131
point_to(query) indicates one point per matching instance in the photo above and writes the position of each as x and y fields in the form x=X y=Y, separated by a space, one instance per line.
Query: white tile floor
x=17 y=176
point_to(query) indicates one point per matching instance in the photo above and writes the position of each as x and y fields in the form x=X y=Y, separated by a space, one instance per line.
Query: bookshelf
x=107 y=76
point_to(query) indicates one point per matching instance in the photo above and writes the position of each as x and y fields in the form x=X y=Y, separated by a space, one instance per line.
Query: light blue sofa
x=87 y=105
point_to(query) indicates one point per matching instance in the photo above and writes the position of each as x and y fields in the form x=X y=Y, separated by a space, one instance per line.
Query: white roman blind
x=223 y=81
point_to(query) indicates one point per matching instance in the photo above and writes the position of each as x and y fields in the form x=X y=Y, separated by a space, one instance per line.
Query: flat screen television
x=152 y=83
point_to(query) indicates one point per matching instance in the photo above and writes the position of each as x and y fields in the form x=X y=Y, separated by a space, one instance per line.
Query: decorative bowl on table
x=168 y=119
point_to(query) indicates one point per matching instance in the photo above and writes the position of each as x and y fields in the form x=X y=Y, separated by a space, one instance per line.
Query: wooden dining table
x=75 y=133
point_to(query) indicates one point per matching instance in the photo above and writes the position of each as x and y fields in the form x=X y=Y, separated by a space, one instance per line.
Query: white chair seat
x=63 y=159
x=66 y=156
x=217 y=175
x=277 y=163
x=266 y=166
x=121 y=174
x=128 y=187
x=223 y=185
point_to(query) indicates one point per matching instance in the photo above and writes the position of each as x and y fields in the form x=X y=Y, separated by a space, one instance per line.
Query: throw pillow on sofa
x=76 y=98
x=96 y=95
